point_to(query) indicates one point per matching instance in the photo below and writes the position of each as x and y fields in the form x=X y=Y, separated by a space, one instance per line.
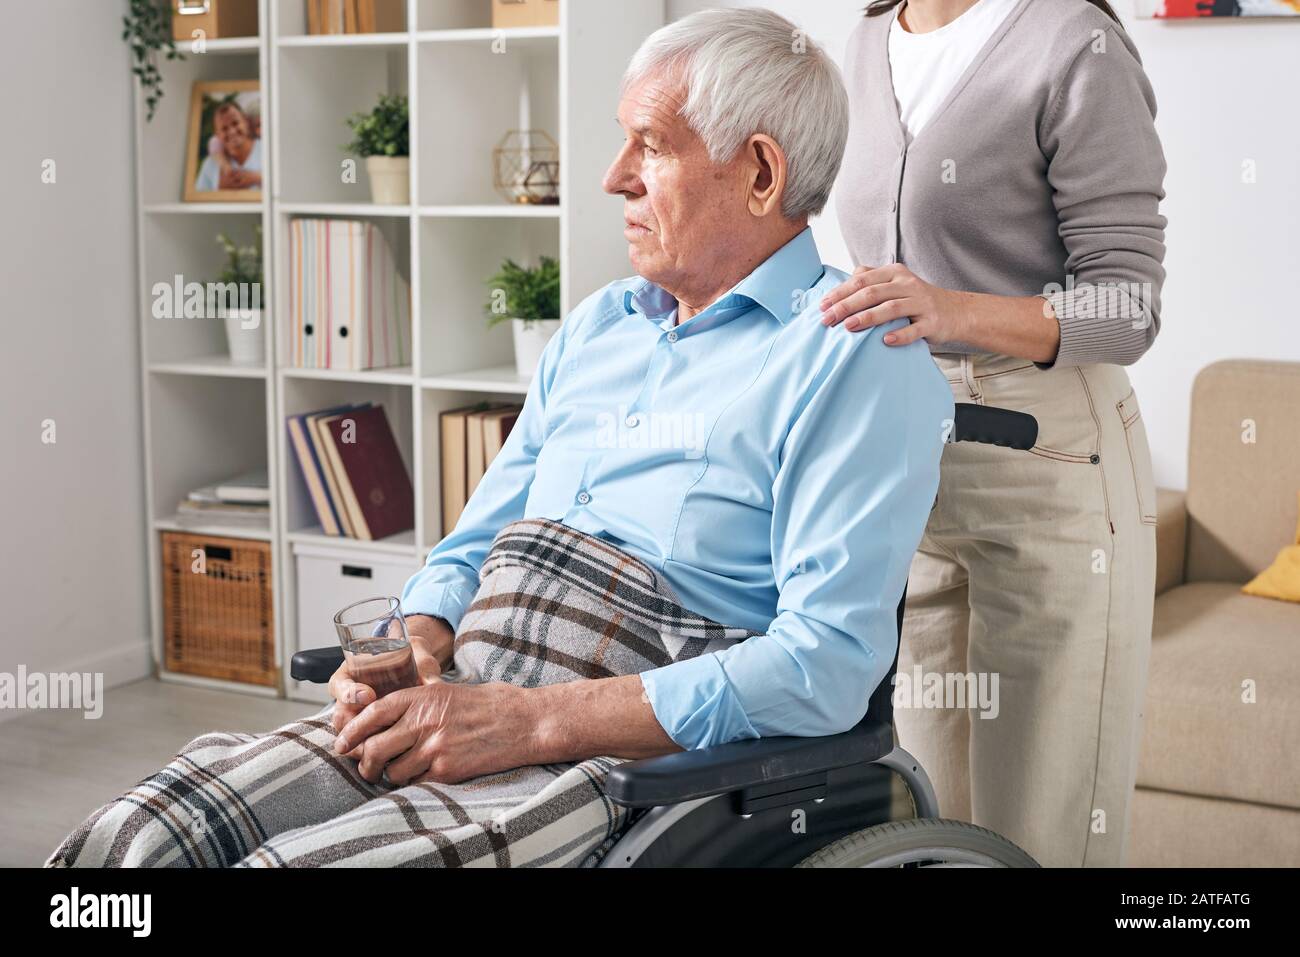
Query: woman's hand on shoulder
x=875 y=295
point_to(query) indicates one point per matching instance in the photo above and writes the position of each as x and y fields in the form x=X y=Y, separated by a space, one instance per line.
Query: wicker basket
x=221 y=623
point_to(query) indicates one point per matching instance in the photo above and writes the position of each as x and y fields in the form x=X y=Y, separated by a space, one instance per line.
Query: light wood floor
x=56 y=767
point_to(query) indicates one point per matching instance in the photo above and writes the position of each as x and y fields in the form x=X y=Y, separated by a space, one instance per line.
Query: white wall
x=1226 y=94
x=72 y=589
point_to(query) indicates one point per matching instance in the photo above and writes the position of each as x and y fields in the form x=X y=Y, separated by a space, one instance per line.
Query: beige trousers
x=1037 y=574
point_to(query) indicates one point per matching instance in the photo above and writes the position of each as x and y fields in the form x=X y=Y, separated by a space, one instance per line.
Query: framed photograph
x=224 y=158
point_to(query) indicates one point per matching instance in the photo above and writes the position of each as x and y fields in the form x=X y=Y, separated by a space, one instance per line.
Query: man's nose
x=621 y=178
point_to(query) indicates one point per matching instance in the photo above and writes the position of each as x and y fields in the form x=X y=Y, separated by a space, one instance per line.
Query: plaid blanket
x=553 y=605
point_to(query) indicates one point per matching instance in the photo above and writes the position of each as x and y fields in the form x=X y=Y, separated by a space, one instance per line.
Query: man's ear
x=768 y=175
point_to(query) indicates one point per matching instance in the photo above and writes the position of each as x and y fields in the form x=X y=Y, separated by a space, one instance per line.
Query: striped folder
x=349 y=308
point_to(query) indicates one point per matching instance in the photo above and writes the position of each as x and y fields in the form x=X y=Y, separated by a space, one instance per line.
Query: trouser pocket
x=1139 y=456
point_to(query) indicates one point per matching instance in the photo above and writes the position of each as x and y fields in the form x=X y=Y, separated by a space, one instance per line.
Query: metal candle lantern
x=526 y=168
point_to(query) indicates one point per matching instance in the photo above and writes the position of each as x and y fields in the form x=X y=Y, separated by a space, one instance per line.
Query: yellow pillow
x=1280 y=580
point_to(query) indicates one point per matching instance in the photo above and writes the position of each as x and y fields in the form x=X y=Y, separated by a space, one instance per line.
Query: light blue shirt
x=777 y=473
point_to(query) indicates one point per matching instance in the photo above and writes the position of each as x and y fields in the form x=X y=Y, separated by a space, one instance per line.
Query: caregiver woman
x=1001 y=189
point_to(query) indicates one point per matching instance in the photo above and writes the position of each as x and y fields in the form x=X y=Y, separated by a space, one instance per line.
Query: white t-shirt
x=926 y=66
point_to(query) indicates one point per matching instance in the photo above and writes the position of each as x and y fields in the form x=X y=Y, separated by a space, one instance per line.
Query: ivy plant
x=147 y=30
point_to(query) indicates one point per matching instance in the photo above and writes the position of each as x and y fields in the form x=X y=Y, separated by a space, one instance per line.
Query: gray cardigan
x=1041 y=174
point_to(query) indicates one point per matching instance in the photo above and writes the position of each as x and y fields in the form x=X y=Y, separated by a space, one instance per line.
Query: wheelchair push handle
x=316 y=665
x=991 y=426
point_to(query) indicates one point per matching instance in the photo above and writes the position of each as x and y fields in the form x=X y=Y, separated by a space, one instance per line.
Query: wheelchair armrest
x=316 y=665
x=688 y=775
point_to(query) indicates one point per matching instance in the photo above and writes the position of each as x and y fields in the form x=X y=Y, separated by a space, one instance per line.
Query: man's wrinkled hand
x=442 y=732
x=431 y=642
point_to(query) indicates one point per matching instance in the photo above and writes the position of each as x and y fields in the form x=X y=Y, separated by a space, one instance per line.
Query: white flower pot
x=390 y=180
x=531 y=337
x=246 y=338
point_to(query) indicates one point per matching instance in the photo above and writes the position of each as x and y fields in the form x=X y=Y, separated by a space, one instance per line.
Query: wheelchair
x=827 y=801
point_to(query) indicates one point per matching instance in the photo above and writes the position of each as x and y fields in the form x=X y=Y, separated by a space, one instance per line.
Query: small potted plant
x=530 y=299
x=243 y=318
x=383 y=138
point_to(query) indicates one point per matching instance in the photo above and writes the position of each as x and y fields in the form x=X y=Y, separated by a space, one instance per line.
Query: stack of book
x=471 y=439
x=349 y=308
x=242 y=501
x=355 y=16
x=354 y=472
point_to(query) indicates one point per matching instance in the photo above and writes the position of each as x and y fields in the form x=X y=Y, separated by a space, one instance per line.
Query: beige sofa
x=1219 y=776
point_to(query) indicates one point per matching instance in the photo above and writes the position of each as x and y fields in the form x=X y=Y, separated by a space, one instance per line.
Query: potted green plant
x=243 y=267
x=529 y=297
x=383 y=138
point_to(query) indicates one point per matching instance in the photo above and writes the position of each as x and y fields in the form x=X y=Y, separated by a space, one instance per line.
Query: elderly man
x=722 y=564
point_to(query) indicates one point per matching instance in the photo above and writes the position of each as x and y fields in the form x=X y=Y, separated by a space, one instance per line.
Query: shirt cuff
x=446 y=600
x=695 y=704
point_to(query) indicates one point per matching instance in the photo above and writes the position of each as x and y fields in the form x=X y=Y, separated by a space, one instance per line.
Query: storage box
x=218 y=611
x=525 y=13
x=218 y=19
x=330 y=578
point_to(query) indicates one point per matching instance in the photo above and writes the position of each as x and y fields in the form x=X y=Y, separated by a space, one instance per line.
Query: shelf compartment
x=299 y=395
x=291 y=26
x=164 y=141
x=202 y=430
x=457 y=258
x=397 y=233
x=316 y=95
x=469 y=99
x=186 y=246
x=433 y=402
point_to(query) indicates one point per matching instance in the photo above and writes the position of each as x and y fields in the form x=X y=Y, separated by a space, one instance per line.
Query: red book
x=377 y=490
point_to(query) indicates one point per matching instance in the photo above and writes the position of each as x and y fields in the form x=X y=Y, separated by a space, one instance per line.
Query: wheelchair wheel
x=927 y=842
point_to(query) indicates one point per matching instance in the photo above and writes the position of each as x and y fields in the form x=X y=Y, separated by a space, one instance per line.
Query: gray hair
x=749 y=71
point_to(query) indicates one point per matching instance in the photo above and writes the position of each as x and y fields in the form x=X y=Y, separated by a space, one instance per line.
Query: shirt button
x=632 y=421
x=672 y=336
x=583 y=498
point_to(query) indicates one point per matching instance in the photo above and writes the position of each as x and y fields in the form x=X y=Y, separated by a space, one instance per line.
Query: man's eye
x=650 y=150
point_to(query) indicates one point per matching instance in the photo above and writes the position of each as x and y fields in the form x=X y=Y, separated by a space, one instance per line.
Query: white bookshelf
x=206 y=418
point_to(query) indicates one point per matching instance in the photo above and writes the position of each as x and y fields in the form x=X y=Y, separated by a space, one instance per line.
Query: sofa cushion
x=1243 y=467
x=1199 y=736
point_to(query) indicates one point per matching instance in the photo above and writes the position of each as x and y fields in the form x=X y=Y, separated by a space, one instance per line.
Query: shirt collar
x=776 y=284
